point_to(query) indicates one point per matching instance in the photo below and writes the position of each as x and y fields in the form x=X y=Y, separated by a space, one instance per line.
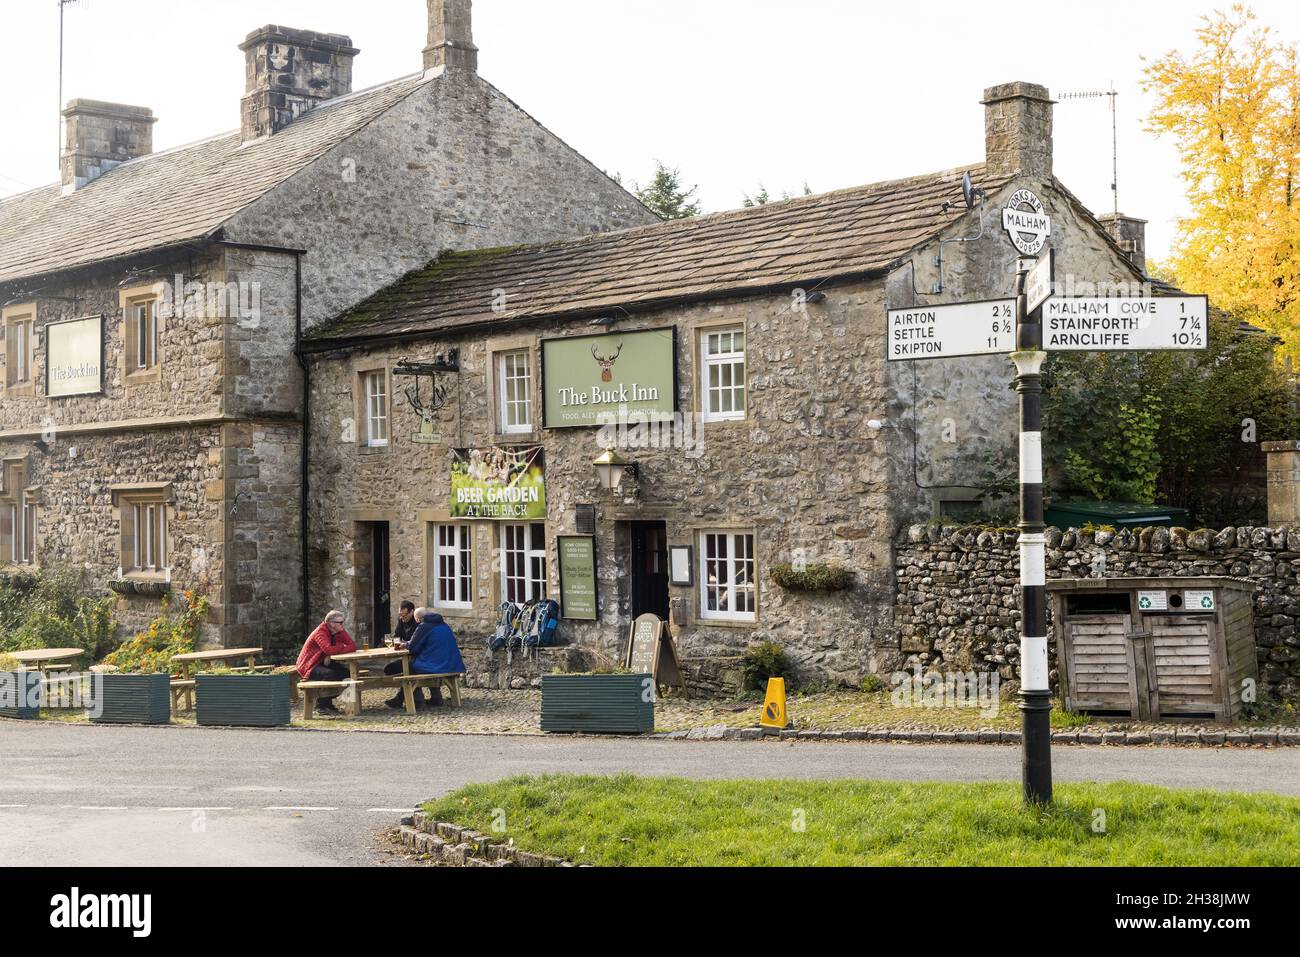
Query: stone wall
x=77 y=523
x=455 y=165
x=957 y=601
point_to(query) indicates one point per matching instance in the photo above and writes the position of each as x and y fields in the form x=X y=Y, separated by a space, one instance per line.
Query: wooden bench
x=311 y=690
x=179 y=687
x=60 y=684
x=451 y=682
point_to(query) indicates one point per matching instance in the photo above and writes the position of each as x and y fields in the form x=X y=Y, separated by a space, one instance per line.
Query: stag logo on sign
x=1026 y=223
x=606 y=363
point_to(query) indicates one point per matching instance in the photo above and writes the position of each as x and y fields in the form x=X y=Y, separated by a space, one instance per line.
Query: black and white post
x=1035 y=694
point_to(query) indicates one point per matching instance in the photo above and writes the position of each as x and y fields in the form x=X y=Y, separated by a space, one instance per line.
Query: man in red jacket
x=314 y=661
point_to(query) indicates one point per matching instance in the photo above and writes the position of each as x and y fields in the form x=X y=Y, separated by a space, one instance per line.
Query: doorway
x=380 y=584
x=649 y=569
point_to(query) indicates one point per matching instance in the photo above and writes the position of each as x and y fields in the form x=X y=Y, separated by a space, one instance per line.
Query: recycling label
x=1153 y=601
x=1198 y=600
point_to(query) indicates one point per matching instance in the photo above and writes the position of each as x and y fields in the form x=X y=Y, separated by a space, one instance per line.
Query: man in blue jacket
x=433 y=652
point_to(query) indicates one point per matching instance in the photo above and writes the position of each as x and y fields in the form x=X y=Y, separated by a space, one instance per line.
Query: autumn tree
x=1233 y=107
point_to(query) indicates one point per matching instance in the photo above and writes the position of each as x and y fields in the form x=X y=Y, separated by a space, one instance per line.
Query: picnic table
x=49 y=662
x=48 y=659
x=184 y=685
x=371 y=657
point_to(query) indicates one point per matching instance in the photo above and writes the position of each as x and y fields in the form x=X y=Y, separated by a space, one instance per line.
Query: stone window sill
x=132 y=584
x=144 y=376
x=701 y=622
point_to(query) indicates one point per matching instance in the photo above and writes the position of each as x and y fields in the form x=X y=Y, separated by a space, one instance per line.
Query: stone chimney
x=288 y=73
x=451 y=37
x=1130 y=234
x=100 y=136
x=1018 y=130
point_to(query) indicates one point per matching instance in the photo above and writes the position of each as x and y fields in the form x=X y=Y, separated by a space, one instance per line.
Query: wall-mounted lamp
x=613 y=468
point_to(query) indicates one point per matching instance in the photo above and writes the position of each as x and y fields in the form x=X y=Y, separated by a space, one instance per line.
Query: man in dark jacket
x=433 y=652
x=406 y=622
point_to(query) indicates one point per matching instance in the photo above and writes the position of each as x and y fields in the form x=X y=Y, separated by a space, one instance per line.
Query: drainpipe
x=305 y=454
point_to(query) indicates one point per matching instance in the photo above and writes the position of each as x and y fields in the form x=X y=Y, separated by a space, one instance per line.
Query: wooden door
x=1183 y=665
x=1099 y=659
x=650 y=569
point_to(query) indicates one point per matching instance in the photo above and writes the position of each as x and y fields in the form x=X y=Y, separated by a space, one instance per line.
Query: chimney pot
x=451 y=36
x=289 y=72
x=1131 y=236
x=1018 y=130
x=100 y=136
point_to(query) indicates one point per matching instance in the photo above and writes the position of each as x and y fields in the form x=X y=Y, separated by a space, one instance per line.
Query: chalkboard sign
x=651 y=651
x=577 y=576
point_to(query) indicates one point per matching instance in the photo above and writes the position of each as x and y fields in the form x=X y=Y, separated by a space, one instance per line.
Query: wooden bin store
x=1150 y=648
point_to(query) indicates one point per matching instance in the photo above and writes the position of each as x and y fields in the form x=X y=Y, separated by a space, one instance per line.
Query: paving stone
x=1137 y=737
x=1089 y=737
x=1212 y=737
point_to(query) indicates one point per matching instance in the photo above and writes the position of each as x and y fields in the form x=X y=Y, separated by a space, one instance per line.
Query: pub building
x=404 y=342
x=649 y=420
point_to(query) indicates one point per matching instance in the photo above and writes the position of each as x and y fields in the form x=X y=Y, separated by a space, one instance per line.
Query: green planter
x=132 y=699
x=20 y=694
x=597 y=704
x=259 y=701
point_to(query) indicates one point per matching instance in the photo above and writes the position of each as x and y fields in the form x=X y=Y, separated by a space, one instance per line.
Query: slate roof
x=860 y=231
x=179 y=195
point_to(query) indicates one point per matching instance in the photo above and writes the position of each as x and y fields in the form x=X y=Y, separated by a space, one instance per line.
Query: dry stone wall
x=957 y=604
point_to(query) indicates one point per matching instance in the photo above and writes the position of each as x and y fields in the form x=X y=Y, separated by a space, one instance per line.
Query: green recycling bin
x=1118 y=514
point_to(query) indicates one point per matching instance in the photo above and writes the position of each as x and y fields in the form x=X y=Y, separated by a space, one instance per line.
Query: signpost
x=957 y=329
x=1038 y=281
x=1042 y=323
x=1120 y=324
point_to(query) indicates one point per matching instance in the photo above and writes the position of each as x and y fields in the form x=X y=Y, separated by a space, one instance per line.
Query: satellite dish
x=967 y=191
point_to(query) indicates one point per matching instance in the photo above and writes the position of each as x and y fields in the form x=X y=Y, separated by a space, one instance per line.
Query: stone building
x=151 y=405
x=759 y=336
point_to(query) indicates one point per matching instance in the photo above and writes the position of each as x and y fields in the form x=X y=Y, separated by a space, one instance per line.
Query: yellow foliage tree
x=1234 y=108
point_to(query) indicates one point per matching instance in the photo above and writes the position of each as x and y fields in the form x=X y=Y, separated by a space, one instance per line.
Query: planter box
x=20 y=694
x=132 y=699
x=260 y=701
x=597 y=704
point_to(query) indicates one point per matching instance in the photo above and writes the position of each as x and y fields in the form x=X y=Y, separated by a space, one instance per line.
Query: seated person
x=406 y=622
x=433 y=652
x=314 y=664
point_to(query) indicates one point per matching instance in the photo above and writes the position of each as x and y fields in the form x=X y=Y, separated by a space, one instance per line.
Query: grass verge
x=629 y=820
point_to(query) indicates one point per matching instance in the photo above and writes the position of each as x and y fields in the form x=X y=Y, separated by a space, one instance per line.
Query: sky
x=735 y=93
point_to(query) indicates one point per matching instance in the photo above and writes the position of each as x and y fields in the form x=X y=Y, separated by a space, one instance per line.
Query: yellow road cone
x=774 y=715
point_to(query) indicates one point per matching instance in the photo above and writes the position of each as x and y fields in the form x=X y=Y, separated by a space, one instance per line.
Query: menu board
x=651 y=651
x=577 y=576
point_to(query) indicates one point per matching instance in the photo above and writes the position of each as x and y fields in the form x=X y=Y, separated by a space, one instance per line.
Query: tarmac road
x=124 y=796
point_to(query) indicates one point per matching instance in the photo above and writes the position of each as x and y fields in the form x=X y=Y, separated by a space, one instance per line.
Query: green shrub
x=872 y=683
x=54 y=610
x=763 y=661
x=815 y=577
x=151 y=651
